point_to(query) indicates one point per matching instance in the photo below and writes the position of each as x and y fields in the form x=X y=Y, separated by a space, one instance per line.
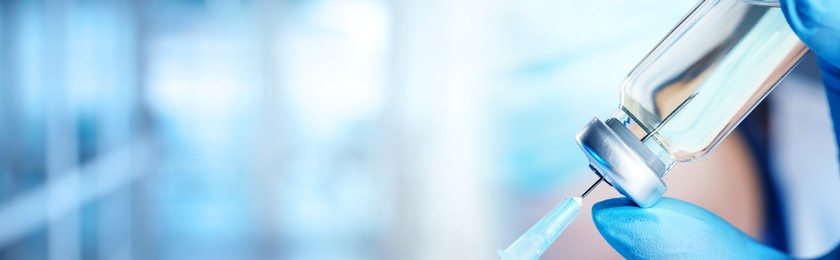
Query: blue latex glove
x=673 y=229
x=676 y=229
x=817 y=23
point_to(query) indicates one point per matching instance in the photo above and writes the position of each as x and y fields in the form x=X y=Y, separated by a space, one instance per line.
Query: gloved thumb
x=673 y=229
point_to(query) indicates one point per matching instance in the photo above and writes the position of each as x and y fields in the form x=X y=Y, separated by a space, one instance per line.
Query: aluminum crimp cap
x=623 y=161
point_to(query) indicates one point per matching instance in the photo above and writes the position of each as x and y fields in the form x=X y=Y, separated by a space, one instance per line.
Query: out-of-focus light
x=335 y=65
x=24 y=214
x=223 y=7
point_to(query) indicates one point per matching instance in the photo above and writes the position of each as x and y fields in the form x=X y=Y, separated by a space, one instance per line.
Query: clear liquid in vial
x=729 y=57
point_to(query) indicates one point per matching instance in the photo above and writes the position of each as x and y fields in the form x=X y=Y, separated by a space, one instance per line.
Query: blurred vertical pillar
x=141 y=246
x=8 y=103
x=268 y=142
x=441 y=79
x=61 y=142
x=24 y=119
x=104 y=39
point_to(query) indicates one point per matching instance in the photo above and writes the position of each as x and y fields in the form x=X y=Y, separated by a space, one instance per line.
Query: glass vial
x=690 y=92
x=727 y=55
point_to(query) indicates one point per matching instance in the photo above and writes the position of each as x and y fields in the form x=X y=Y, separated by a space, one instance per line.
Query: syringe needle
x=592 y=187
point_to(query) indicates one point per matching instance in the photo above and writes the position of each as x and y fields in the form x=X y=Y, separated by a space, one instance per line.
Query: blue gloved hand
x=817 y=23
x=674 y=229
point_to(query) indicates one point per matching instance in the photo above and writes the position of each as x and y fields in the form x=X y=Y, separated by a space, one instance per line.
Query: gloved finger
x=673 y=229
x=830 y=73
x=817 y=23
x=831 y=80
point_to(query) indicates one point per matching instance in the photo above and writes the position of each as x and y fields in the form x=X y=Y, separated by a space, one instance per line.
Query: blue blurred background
x=296 y=129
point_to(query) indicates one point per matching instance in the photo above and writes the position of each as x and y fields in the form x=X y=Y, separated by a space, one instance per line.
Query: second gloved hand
x=817 y=23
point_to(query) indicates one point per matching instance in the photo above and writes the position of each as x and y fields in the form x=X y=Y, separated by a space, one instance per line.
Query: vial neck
x=648 y=139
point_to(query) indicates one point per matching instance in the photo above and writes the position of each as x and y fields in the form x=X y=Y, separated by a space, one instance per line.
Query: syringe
x=538 y=238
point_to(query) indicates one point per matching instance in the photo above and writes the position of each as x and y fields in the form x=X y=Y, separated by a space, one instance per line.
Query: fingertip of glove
x=613 y=213
x=611 y=203
x=619 y=221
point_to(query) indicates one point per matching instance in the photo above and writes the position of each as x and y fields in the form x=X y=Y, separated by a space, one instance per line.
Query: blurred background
x=349 y=129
